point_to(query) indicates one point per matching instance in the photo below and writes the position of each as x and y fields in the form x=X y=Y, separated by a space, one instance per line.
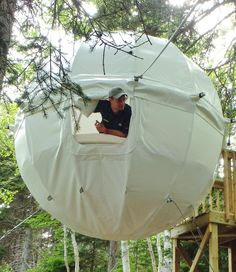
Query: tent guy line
x=18 y=225
x=169 y=41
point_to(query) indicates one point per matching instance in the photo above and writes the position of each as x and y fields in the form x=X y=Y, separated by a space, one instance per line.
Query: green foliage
x=93 y=252
x=10 y=180
x=224 y=78
x=52 y=262
x=150 y=17
x=7 y=195
x=51 y=251
x=73 y=20
x=5 y=268
x=138 y=256
x=43 y=220
x=2 y=252
x=223 y=260
x=7 y=115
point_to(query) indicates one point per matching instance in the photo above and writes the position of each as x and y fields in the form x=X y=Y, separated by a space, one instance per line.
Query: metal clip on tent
x=136 y=78
x=169 y=199
x=230 y=121
x=197 y=97
x=201 y=95
x=11 y=128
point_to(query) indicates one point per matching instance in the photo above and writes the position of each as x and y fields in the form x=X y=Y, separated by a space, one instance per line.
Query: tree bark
x=167 y=248
x=159 y=252
x=26 y=250
x=65 y=249
x=150 y=249
x=7 y=10
x=164 y=258
x=76 y=251
x=112 y=255
x=125 y=256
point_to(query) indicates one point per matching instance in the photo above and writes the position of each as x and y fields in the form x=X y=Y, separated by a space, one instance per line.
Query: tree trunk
x=26 y=250
x=76 y=251
x=65 y=249
x=159 y=252
x=164 y=257
x=150 y=249
x=125 y=256
x=112 y=255
x=167 y=248
x=17 y=243
x=7 y=10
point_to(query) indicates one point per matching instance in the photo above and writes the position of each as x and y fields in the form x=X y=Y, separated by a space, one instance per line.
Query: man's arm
x=116 y=133
x=102 y=129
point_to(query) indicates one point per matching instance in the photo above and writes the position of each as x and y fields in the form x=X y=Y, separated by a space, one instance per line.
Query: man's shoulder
x=127 y=108
x=104 y=102
x=102 y=105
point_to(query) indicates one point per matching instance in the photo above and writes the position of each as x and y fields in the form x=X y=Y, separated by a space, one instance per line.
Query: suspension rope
x=170 y=200
x=171 y=39
x=18 y=225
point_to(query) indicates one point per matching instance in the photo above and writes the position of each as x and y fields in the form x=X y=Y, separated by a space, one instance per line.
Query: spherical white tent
x=122 y=190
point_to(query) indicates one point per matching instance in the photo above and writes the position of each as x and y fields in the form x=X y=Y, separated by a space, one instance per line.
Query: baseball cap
x=117 y=92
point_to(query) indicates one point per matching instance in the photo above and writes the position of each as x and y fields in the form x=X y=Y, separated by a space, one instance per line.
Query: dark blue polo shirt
x=118 y=121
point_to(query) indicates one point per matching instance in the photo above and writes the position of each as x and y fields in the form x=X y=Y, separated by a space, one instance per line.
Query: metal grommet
x=50 y=198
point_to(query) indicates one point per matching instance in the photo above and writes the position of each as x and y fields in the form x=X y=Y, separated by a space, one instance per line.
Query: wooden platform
x=215 y=224
x=188 y=231
x=96 y=138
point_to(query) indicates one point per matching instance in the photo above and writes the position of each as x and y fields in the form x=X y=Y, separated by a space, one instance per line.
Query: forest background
x=35 y=34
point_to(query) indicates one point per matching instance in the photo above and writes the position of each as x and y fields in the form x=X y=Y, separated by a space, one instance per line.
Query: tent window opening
x=85 y=131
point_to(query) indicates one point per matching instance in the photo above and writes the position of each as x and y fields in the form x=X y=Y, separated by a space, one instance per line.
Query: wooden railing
x=222 y=197
x=230 y=184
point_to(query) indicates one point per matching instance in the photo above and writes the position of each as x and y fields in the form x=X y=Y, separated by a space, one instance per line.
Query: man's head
x=117 y=98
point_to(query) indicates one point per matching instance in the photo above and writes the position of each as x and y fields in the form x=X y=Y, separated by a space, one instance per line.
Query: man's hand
x=100 y=127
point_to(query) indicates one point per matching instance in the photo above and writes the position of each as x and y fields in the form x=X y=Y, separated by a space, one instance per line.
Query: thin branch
x=103 y=59
x=141 y=19
x=210 y=30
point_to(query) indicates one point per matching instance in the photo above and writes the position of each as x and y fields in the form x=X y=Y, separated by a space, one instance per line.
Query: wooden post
x=200 y=250
x=213 y=248
x=211 y=200
x=186 y=257
x=232 y=257
x=234 y=182
x=218 y=200
x=227 y=198
x=232 y=185
x=176 y=256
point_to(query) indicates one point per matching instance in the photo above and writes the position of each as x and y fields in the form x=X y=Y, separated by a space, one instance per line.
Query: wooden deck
x=214 y=224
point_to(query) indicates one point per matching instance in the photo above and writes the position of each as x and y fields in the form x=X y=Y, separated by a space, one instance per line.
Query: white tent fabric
x=123 y=190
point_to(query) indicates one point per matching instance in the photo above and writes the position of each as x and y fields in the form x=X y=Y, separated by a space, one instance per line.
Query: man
x=115 y=114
